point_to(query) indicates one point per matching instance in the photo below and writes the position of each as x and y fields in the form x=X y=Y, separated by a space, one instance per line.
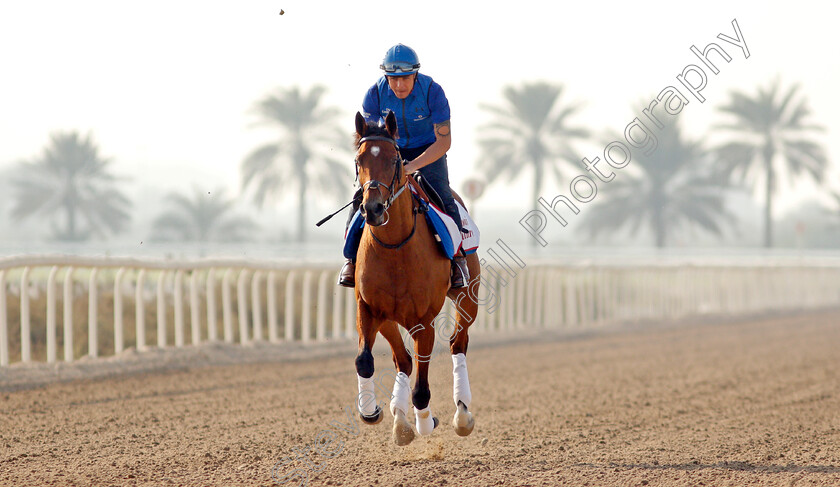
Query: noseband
x=377 y=185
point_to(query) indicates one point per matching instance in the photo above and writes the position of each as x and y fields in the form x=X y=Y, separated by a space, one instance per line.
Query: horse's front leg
x=402 y=432
x=424 y=342
x=367 y=325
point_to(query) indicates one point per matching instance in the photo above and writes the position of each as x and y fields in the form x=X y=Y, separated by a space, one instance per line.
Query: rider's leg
x=437 y=174
x=347 y=276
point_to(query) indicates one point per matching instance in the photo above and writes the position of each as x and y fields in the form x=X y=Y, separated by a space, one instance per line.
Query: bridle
x=378 y=185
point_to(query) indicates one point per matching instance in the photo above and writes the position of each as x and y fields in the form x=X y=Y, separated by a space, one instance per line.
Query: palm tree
x=769 y=139
x=532 y=129
x=305 y=154
x=668 y=189
x=205 y=218
x=70 y=183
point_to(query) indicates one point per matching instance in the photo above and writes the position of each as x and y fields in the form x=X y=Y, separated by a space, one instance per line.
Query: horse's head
x=379 y=165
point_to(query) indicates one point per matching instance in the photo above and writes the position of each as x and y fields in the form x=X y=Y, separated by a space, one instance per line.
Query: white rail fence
x=130 y=301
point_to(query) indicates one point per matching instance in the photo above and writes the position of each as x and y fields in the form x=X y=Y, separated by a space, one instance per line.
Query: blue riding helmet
x=400 y=60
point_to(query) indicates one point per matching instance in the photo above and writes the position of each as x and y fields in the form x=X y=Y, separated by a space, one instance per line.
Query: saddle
x=445 y=231
x=425 y=190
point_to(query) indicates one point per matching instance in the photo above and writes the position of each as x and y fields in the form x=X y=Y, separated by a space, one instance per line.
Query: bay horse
x=402 y=279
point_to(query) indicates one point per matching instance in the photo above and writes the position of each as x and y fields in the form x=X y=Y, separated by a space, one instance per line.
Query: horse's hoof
x=436 y=421
x=424 y=421
x=463 y=420
x=403 y=433
x=375 y=418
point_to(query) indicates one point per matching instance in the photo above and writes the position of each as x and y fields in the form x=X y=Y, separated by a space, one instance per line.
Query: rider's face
x=402 y=85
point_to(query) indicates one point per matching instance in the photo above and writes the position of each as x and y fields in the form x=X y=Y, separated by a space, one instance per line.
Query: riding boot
x=460 y=272
x=347 y=276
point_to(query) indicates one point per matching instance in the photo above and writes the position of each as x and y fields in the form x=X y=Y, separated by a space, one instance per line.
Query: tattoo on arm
x=442 y=129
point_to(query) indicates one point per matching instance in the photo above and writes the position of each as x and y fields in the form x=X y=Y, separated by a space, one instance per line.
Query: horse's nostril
x=373 y=210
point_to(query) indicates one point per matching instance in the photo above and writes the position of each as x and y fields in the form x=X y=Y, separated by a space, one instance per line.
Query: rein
x=405 y=240
x=374 y=184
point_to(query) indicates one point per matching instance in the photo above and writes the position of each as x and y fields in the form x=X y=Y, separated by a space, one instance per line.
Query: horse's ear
x=361 y=124
x=391 y=124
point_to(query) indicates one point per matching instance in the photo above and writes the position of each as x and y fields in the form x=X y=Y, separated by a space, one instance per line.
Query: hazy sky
x=167 y=88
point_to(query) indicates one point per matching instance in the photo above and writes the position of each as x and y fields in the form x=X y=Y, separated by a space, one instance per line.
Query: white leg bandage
x=366 y=402
x=399 y=398
x=424 y=421
x=461 y=385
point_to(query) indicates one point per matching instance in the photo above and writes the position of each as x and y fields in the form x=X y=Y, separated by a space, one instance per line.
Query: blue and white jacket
x=417 y=114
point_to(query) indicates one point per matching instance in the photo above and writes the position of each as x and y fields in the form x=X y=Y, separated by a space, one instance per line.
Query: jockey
x=422 y=113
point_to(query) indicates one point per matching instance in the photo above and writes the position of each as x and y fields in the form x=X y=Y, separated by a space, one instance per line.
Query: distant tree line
x=680 y=185
x=72 y=189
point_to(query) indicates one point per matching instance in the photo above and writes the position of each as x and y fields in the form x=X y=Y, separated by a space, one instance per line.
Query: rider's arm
x=442 y=143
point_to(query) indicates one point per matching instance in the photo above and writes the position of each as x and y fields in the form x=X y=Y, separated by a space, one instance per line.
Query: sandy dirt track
x=709 y=404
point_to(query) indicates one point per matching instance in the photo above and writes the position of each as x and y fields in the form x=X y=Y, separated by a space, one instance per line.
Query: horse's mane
x=373 y=129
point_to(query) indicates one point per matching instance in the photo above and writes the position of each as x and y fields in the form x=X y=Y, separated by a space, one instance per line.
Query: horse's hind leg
x=466 y=304
x=369 y=410
x=402 y=433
